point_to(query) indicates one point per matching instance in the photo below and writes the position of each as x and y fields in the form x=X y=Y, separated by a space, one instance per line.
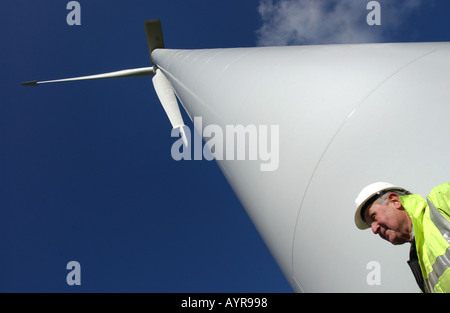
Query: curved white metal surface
x=348 y=115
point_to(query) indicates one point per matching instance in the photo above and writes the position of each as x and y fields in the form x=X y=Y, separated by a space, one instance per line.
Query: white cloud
x=288 y=22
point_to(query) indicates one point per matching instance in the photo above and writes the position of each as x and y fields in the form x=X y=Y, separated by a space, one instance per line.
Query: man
x=398 y=216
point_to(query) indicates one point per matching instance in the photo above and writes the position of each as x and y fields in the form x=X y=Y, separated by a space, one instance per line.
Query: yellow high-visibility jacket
x=431 y=226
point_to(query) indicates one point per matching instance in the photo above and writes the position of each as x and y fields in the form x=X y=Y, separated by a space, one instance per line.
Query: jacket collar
x=415 y=207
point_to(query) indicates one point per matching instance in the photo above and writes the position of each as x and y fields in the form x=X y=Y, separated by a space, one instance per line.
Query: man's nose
x=375 y=228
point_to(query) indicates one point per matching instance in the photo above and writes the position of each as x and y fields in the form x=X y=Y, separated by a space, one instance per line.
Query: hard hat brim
x=359 y=221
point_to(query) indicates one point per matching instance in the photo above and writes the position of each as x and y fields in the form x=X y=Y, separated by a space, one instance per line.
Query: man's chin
x=393 y=239
x=396 y=241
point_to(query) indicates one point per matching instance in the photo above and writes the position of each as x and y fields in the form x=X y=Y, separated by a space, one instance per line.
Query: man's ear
x=395 y=200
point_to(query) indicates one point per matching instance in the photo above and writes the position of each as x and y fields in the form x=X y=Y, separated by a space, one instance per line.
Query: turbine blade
x=31 y=83
x=136 y=72
x=166 y=96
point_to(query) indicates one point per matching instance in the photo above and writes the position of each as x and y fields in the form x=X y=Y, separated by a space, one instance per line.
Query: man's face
x=390 y=221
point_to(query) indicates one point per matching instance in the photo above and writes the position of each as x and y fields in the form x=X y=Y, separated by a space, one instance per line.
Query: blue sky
x=86 y=172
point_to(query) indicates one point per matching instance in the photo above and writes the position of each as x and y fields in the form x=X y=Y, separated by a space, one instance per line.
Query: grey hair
x=382 y=198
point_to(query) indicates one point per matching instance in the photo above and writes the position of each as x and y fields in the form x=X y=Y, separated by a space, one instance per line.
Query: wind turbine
x=348 y=115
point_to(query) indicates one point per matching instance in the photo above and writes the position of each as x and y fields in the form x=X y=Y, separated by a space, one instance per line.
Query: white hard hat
x=367 y=194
